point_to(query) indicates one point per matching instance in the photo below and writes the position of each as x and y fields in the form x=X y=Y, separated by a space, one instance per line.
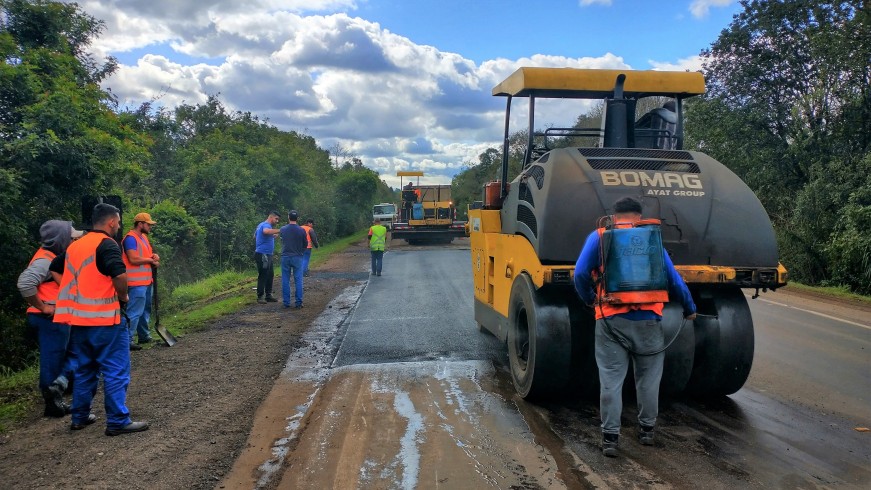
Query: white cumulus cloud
x=700 y=8
x=692 y=63
x=312 y=66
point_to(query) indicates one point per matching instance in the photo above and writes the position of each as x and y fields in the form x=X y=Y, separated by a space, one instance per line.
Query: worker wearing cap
x=293 y=247
x=628 y=330
x=92 y=288
x=139 y=258
x=312 y=238
x=39 y=289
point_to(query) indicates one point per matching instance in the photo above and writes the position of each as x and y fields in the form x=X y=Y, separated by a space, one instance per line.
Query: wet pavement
x=394 y=387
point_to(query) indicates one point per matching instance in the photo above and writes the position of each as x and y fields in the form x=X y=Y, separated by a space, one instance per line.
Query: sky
x=400 y=84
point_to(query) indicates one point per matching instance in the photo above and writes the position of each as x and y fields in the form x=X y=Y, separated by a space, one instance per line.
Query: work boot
x=54 y=401
x=88 y=421
x=135 y=347
x=127 y=429
x=645 y=435
x=261 y=300
x=609 y=445
x=271 y=299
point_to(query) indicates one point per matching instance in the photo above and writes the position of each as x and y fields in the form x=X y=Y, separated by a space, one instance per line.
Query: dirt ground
x=200 y=397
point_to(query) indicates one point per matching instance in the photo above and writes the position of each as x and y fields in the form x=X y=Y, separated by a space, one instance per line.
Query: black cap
x=293 y=215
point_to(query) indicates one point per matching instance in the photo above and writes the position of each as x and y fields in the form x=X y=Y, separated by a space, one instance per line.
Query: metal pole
x=504 y=188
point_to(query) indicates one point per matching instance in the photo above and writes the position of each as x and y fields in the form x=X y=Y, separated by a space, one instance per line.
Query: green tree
x=59 y=137
x=788 y=109
x=181 y=243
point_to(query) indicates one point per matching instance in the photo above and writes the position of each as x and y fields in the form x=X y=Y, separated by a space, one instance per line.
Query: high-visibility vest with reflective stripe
x=308 y=236
x=139 y=275
x=378 y=239
x=46 y=291
x=86 y=297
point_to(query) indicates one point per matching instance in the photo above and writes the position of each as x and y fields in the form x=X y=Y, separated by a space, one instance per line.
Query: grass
x=17 y=394
x=209 y=287
x=191 y=307
x=840 y=292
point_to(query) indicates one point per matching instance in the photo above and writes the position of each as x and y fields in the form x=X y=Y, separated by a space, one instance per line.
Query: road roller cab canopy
x=660 y=128
x=576 y=83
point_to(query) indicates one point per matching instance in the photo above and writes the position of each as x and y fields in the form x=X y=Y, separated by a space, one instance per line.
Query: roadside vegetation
x=206 y=174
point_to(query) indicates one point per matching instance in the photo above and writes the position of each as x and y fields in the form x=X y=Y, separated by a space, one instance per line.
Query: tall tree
x=59 y=137
x=788 y=109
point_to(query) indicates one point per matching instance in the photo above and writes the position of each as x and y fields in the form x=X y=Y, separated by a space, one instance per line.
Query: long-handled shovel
x=165 y=334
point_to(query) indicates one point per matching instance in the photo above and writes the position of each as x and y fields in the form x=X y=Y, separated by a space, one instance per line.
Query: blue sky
x=637 y=30
x=401 y=84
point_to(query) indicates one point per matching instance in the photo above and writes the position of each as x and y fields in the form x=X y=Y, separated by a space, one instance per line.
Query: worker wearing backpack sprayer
x=624 y=274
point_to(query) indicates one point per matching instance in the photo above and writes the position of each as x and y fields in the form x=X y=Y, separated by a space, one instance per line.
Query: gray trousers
x=613 y=361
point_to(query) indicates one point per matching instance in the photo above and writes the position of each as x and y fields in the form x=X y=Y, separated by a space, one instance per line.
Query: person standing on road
x=312 y=238
x=627 y=330
x=93 y=285
x=39 y=289
x=264 y=248
x=377 y=246
x=293 y=247
x=139 y=258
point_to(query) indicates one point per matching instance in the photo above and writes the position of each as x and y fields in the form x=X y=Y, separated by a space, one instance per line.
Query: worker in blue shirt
x=630 y=328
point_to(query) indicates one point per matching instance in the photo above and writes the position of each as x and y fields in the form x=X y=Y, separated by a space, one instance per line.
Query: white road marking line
x=830 y=317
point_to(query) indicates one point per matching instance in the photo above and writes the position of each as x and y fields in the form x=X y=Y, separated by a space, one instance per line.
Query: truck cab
x=385 y=214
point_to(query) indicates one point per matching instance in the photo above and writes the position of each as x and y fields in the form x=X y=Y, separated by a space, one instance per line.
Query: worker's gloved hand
x=691 y=317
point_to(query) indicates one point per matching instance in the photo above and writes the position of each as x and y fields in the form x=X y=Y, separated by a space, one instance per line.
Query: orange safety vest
x=46 y=291
x=139 y=275
x=615 y=303
x=87 y=298
x=308 y=236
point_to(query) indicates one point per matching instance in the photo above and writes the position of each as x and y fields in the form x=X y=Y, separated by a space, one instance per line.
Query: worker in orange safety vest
x=92 y=288
x=40 y=289
x=139 y=258
x=312 y=238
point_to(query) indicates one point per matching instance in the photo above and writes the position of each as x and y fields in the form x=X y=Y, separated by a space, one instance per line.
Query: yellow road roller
x=528 y=234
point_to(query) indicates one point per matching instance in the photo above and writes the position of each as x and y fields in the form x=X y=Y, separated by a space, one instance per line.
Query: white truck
x=384 y=213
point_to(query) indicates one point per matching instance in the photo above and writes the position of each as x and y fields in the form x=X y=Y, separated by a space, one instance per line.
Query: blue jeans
x=54 y=361
x=291 y=265
x=101 y=351
x=306 y=258
x=377 y=259
x=136 y=307
x=142 y=327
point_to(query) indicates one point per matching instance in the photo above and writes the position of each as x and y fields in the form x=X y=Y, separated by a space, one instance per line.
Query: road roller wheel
x=539 y=341
x=724 y=344
x=680 y=356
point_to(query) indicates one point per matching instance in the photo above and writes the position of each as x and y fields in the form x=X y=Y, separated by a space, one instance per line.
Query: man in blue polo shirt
x=264 y=248
x=294 y=243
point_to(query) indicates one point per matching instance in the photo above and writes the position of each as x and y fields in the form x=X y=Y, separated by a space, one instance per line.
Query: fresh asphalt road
x=794 y=424
x=419 y=309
